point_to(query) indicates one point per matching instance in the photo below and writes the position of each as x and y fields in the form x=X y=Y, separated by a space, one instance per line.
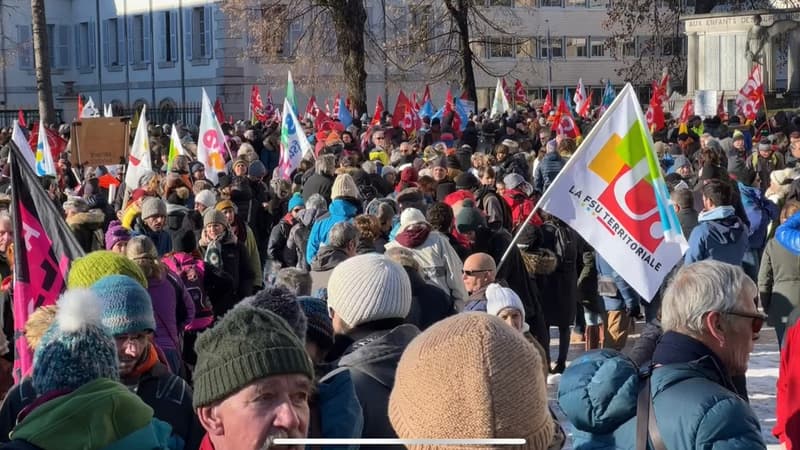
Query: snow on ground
x=762 y=376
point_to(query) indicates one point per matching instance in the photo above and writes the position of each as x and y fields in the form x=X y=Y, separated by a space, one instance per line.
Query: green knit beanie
x=247 y=344
x=89 y=269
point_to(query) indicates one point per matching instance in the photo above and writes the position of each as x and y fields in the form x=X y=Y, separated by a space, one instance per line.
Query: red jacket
x=787 y=404
x=521 y=207
x=206 y=444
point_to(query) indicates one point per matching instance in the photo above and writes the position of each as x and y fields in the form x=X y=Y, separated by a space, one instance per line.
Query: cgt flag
x=612 y=193
x=43 y=248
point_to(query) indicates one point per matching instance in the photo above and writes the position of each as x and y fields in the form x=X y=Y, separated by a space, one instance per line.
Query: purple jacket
x=165 y=304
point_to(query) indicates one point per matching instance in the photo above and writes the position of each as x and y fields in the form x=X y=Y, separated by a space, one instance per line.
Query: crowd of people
x=367 y=294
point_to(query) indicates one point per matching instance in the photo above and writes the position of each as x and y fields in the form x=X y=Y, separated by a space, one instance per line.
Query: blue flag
x=568 y=99
x=344 y=114
x=609 y=94
x=426 y=110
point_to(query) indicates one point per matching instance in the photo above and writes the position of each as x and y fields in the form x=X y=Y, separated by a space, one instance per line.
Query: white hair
x=700 y=288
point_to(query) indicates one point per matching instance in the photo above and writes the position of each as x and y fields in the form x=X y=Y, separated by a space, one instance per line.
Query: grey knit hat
x=369 y=287
x=247 y=344
x=153 y=206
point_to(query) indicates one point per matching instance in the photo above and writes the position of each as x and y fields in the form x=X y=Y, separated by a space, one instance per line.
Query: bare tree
x=41 y=56
x=314 y=37
x=441 y=40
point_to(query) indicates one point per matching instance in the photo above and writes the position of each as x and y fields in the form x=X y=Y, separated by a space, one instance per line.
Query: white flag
x=580 y=96
x=294 y=143
x=44 y=157
x=211 y=146
x=89 y=110
x=22 y=143
x=108 y=111
x=500 y=103
x=139 y=162
x=612 y=192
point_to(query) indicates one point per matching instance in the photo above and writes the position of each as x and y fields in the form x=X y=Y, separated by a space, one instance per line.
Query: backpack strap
x=646 y=426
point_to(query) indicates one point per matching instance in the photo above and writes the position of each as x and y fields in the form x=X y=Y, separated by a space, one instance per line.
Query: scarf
x=413 y=237
x=150 y=360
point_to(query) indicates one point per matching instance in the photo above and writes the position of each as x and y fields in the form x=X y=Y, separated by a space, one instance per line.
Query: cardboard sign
x=100 y=140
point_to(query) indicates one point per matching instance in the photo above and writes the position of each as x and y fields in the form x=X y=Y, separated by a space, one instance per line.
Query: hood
x=308 y=216
x=720 y=212
x=327 y=258
x=598 y=391
x=378 y=355
x=173 y=209
x=90 y=220
x=723 y=226
x=343 y=208
x=94 y=416
x=338 y=403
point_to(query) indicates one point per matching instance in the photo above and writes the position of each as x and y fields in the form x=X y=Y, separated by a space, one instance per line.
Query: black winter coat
x=558 y=290
x=429 y=304
x=318 y=184
x=181 y=225
x=276 y=248
x=233 y=280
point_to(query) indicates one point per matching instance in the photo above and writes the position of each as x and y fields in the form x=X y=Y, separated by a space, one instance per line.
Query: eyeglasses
x=756 y=318
x=472 y=273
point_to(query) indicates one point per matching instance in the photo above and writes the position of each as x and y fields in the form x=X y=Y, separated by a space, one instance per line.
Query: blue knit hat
x=127 y=307
x=77 y=348
x=296 y=201
x=319 y=328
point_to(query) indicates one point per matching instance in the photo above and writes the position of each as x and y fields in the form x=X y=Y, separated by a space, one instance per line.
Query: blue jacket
x=788 y=234
x=760 y=212
x=546 y=171
x=693 y=408
x=340 y=211
x=340 y=412
x=626 y=297
x=719 y=235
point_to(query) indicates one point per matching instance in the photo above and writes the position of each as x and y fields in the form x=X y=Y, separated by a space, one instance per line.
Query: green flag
x=290 y=93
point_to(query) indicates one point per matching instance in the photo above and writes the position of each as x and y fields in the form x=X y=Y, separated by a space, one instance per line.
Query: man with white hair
x=710 y=321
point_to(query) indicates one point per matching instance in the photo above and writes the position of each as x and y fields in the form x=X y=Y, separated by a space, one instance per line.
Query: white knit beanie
x=499 y=298
x=369 y=287
x=411 y=216
x=206 y=198
x=344 y=186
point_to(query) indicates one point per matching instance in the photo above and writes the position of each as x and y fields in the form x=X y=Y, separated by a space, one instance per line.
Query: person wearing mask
x=710 y=322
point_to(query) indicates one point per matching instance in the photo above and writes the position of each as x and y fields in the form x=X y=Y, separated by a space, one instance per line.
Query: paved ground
x=761 y=378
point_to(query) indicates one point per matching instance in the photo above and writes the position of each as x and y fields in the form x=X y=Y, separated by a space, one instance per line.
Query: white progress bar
x=316 y=441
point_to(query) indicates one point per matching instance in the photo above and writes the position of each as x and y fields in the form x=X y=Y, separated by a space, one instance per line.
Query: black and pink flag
x=44 y=247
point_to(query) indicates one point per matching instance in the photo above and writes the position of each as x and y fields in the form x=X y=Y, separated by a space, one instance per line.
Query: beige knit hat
x=344 y=186
x=471 y=376
x=369 y=287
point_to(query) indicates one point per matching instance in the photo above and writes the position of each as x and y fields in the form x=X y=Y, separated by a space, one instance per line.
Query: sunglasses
x=756 y=318
x=472 y=273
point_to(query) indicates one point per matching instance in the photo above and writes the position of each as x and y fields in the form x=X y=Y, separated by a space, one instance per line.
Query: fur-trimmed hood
x=91 y=220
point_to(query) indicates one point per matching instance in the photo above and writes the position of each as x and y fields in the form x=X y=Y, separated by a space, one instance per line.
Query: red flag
x=219 y=112
x=464 y=95
x=507 y=92
x=586 y=106
x=408 y=123
x=347 y=105
x=426 y=97
x=80 y=107
x=450 y=108
x=311 y=107
x=686 y=112
x=520 y=95
x=376 y=116
x=269 y=108
x=564 y=123
x=655 y=114
x=751 y=94
x=44 y=248
x=328 y=106
x=21 y=119
x=660 y=90
x=56 y=142
x=414 y=102
x=257 y=106
x=548 y=104
x=721 y=107
x=399 y=113
x=336 y=106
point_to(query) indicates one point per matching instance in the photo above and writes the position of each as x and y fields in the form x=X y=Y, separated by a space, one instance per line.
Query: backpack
x=180 y=264
x=508 y=218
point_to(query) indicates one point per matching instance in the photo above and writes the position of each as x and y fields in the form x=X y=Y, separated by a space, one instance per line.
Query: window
x=85 y=45
x=526 y=48
x=63 y=42
x=197 y=39
x=598 y=47
x=293 y=35
x=599 y=3
x=24 y=47
x=139 y=39
x=51 y=44
x=114 y=43
x=500 y=47
x=576 y=47
x=421 y=28
x=552 y=3
x=509 y=3
x=575 y=3
x=555 y=48
x=167 y=29
x=629 y=49
x=671 y=46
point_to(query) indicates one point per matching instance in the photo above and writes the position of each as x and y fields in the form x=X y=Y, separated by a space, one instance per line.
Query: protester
x=342 y=244
x=151 y=223
x=478 y=273
x=429 y=303
x=500 y=378
x=276 y=248
x=710 y=323
x=719 y=235
x=244 y=234
x=779 y=274
x=369 y=297
x=241 y=409
x=343 y=208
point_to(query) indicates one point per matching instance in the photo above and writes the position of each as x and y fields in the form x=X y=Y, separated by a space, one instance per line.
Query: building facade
x=162 y=52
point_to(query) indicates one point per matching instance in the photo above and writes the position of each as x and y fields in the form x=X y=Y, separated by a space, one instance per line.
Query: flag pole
x=519 y=233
